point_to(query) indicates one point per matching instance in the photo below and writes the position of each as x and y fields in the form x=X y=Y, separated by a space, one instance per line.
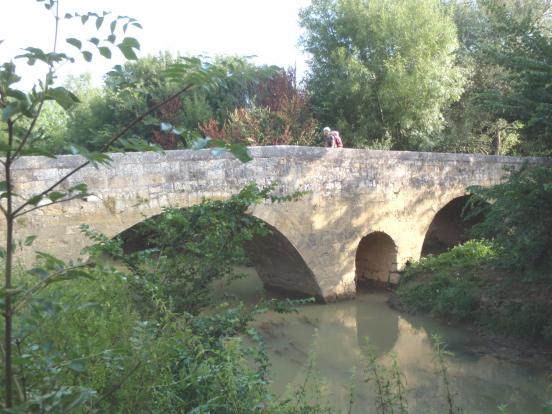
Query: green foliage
x=448 y=286
x=224 y=84
x=440 y=354
x=389 y=383
x=515 y=219
x=471 y=253
x=187 y=250
x=464 y=284
x=517 y=42
x=375 y=75
x=104 y=332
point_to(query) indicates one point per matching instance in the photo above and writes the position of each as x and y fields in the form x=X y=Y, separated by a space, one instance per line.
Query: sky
x=266 y=29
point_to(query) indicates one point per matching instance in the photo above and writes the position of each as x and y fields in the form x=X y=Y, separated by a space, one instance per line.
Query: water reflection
x=483 y=382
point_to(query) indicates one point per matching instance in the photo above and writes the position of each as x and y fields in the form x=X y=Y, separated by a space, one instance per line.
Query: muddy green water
x=481 y=381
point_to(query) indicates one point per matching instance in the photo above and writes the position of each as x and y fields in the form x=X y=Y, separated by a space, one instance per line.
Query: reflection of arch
x=376 y=259
x=377 y=322
x=276 y=260
x=280 y=265
x=448 y=228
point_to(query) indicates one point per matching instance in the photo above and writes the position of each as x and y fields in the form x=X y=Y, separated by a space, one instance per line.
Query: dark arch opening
x=277 y=262
x=376 y=260
x=449 y=228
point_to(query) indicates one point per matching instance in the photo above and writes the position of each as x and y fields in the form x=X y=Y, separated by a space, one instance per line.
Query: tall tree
x=135 y=86
x=524 y=52
x=480 y=121
x=382 y=69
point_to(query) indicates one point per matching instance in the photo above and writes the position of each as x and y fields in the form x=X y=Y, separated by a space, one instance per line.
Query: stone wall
x=352 y=193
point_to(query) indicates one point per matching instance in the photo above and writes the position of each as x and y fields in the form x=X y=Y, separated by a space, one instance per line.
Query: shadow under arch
x=279 y=265
x=276 y=260
x=376 y=259
x=448 y=227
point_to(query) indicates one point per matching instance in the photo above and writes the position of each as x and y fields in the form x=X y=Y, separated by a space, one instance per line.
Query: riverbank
x=463 y=287
x=500 y=346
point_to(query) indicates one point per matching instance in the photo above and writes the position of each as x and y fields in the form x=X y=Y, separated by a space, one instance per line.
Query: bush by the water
x=465 y=285
x=446 y=285
x=135 y=337
x=518 y=220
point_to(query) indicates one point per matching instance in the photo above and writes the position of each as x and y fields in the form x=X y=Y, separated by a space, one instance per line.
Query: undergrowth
x=466 y=285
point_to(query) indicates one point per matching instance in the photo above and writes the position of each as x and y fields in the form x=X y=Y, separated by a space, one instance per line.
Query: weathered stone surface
x=353 y=193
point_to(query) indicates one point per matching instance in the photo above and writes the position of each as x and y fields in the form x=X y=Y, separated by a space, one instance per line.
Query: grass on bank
x=466 y=284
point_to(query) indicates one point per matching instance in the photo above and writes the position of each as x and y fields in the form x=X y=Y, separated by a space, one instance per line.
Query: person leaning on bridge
x=328 y=138
x=337 y=141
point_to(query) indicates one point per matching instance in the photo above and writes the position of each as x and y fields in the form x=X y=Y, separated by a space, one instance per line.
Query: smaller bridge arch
x=376 y=259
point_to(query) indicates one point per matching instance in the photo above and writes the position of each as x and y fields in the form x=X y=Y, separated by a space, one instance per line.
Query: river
x=337 y=331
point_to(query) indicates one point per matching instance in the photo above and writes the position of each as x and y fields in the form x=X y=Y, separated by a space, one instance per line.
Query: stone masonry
x=313 y=249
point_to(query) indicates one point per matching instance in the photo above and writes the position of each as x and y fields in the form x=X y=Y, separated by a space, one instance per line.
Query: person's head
x=326 y=131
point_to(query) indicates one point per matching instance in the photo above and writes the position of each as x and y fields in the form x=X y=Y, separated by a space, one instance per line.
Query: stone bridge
x=366 y=214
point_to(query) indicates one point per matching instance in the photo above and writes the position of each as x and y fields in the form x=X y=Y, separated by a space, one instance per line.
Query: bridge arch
x=448 y=227
x=277 y=261
x=376 y=259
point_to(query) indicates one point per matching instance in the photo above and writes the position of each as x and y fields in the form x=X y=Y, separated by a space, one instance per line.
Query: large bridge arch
x=350 y=193
x=448 y=226
x=275 y=257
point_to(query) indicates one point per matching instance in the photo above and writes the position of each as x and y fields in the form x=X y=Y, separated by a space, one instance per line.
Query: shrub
x=516 y=219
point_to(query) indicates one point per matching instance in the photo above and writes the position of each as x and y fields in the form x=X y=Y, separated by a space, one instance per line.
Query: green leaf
x=111 y=38
x=240 y=152
x=10 y=110
x=105 y=52
x=34 y=200
x=112 y=26
x=84 y=18
x=17 y=94
x=94 y=40
x=99 y=22
x=87 y=56
x=131 y=42
x=127 y=52
x=3 y=186
x=95 y=157
x=65 y=98
x=74 y=42
x=127 y=47
x=56 y=195
x=81 y=187
x=40 y=272
x=29 y=240
x=200 y=143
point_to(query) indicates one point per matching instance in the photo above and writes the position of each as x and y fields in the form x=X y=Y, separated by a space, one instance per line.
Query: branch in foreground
x=106 y=146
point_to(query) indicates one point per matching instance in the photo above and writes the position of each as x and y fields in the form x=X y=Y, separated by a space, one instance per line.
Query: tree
x=478 y=122
x=524 y=53
x=20 y=114
x=279 y=113
x=135 y=86
x=382 y=70
x=514 y=219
